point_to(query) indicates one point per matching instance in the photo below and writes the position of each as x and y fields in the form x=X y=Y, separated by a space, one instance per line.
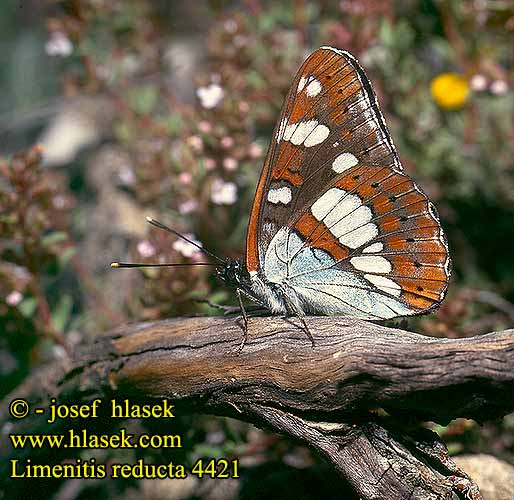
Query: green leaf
x=53 y=237
x=455 y=448
x=385 y=32
x=508 y=422
x=173 y=124
x=62 y=313
x=27 y=307
x=439 y=429
x=265 y=22
x=143 y=99
x=8 y=219
x=206 y=450
x=404 y=35
x=255 y=80
x=124 y=132
x=65 y=256
x=219 y=297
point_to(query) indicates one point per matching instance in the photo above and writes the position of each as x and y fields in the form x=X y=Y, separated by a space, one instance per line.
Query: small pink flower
x=223 y=193
x=185 y=248
x=230 y=25
x=145 y=249
x=229 y=163
x=254 y=150
x=227 y=142
x=351 y=8
x=14 y=298
x=187 y=207
x=197 y=257
x=204 y=126
x=59 y=352
x=478 y=83
x=209 y=163
x=240 y=41
x=210 y=96
x=196 y=143
x=244 y=107
x=185 y=178
x=59 y=201
x=126 y=175
x=499 y=87
x=58 y=45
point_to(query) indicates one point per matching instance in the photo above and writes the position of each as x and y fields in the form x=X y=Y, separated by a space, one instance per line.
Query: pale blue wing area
x=313 y=275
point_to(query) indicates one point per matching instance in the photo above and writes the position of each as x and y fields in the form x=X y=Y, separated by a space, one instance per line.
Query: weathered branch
x=325 y=396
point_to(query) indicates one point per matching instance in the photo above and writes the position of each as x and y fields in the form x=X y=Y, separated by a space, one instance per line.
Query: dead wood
x=357 y=397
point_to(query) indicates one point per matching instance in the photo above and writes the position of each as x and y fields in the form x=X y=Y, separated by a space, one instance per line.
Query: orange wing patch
x=290 y=172
x=317 y=235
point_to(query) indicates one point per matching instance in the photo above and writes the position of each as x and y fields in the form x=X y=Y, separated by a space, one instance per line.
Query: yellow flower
x=449 y=90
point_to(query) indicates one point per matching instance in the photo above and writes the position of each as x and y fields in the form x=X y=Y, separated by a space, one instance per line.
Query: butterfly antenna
x=118 y=265
x=160 y=225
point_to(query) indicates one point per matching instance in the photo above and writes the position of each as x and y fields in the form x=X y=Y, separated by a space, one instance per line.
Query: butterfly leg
x=245 y=319
x=295 y=312
x=226 y=309
x=257 y=310
x=307 y=331
x=254 y=311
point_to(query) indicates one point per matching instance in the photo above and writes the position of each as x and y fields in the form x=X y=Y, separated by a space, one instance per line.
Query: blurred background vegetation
x=161 y=108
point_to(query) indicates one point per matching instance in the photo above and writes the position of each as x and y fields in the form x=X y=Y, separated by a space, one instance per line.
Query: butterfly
x=337 y=227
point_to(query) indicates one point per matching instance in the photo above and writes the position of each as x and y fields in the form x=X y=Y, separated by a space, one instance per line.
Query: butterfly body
x=270 y=295
x=336 y=226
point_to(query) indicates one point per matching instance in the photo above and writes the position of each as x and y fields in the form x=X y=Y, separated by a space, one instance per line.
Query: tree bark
x=357 y=397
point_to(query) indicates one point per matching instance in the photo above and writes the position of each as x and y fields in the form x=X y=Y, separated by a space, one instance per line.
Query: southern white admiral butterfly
x=336 y=226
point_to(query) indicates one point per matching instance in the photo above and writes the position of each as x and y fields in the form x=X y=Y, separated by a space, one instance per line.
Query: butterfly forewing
x=334 y=217
x=329 y=95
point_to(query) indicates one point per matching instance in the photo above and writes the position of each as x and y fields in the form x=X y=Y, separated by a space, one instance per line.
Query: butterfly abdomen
x=272 y=295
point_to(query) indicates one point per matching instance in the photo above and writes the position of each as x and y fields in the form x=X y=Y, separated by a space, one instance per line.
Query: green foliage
x=142 y=100
x=34 y=251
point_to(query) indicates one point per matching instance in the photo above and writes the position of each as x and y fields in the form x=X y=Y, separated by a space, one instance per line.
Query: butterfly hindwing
x=333 y=210
x=377 y=224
